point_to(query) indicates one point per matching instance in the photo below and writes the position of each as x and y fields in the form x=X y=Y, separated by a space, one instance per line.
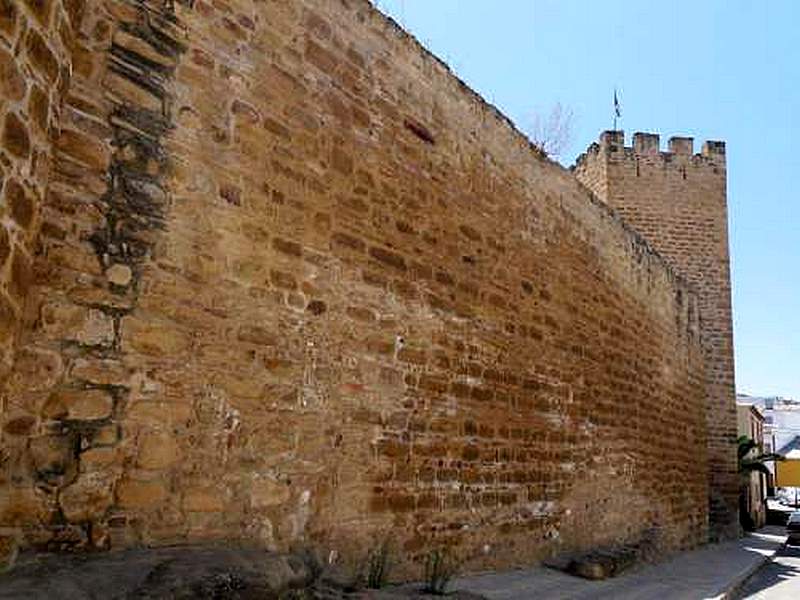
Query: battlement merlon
x=713 y=148
x=681 y=145
x=646 y=143
x=680 y=150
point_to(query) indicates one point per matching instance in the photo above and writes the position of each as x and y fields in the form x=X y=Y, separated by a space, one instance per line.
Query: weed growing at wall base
x=441 y=566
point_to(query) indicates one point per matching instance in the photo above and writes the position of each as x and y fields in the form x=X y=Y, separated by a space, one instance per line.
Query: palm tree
x=750 y=463
x=753 y=464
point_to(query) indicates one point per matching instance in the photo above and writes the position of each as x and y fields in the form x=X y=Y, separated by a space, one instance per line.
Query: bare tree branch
x=553 y=134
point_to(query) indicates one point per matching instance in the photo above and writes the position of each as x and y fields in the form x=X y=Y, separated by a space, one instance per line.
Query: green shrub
x=379 y=565
x=440 y=568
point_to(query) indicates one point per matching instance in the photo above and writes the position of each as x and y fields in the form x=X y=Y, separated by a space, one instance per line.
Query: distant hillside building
x=781 y=419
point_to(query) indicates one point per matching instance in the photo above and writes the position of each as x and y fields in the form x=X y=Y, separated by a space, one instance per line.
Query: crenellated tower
x=677 y=200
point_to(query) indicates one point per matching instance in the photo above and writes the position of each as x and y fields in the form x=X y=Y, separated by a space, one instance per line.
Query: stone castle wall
x=35 y=64
x=677 y=200
x=295 y=282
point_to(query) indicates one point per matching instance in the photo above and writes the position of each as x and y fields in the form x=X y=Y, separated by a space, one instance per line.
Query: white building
x=781 y=419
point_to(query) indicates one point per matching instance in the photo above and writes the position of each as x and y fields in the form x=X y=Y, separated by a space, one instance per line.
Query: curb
x=739 y=582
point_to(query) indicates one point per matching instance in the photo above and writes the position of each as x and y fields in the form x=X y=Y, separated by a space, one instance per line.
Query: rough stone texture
x=678 y=201
x=295 y=282
x=35 y=41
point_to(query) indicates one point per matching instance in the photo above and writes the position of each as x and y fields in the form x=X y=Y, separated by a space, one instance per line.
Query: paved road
x=707 y=572
x=778 y=580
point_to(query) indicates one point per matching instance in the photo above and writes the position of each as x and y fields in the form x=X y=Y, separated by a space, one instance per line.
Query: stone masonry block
x=15 y=136
x=12 y=84
x=133 y=494
x=41 y=57
x=265 y=493
x=157 y=451
x=9 y=16
x=205 y=499
x=20 y=505
x=85 y=149
x=85 y=404
x=5 y=246
x=88 y=498
x=152 y=338
x=41 y=9
x=20 y=203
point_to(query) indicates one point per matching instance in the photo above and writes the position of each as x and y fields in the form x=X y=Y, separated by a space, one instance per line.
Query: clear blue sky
x=721 y=69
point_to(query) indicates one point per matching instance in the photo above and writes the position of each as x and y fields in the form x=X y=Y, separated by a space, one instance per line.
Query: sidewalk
x=712 y=572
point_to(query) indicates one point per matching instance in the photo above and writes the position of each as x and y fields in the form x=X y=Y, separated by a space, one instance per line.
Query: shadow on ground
x=779 y=579
x=188 y=573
